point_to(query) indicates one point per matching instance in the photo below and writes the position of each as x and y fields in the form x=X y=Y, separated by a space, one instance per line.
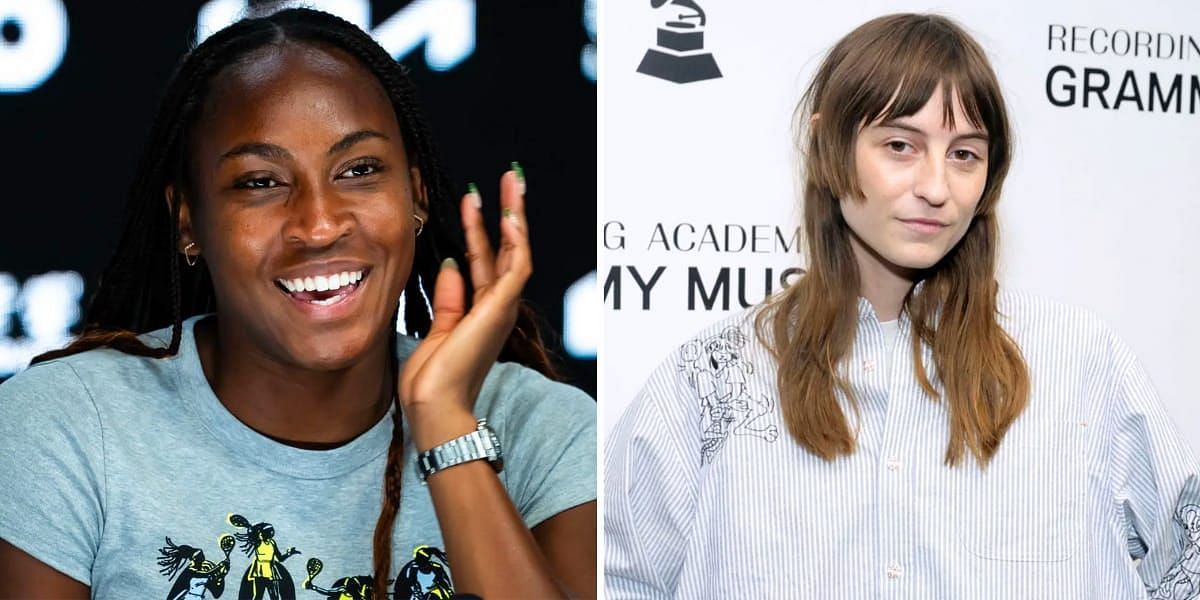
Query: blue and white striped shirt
x=1092 y=494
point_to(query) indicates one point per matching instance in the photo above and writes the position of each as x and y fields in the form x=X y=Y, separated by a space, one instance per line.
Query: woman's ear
x=187 y=241
x=419 y=198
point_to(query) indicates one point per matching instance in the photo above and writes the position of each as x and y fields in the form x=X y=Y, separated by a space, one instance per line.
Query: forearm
x=491 y=551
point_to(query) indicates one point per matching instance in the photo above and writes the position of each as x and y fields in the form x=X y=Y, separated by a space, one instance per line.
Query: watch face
x=499 y=462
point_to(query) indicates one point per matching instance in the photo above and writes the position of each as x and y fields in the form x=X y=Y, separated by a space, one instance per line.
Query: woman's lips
x=326 y=304
x=923 y=226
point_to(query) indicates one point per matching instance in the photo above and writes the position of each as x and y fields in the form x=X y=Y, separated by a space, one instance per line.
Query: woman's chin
x=329 y=355
x=917 y=257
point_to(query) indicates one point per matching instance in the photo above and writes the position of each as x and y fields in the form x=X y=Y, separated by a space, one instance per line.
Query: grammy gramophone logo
x=679 y=55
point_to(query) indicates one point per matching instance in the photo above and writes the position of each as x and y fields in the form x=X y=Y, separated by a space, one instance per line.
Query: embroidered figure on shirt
x=717 y=374
x=425 y=577
x=197 y=576
x=346 y=588
x=266 y=577
x=1182 y=581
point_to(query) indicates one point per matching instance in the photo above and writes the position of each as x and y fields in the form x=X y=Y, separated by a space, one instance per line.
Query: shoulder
x=1027 y=307
x=88 y=389
x=98 y=373
x=1044 y=325
x=515 y=393
x=1031 y=312
x=44 y=388
x=728 y=351
x=734 y=337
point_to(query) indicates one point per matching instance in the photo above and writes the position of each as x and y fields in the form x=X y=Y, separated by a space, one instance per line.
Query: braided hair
x=145 y=287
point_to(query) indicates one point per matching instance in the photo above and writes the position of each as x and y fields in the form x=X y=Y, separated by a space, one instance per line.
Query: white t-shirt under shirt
x=891 y=331
x=708 y=496
x=129 y=475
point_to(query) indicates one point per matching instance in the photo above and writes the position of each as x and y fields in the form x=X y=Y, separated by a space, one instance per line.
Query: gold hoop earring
x=190 y=259
x=420 y=224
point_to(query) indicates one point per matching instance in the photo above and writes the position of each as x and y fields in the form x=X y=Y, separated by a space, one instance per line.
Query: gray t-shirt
x=129 y=475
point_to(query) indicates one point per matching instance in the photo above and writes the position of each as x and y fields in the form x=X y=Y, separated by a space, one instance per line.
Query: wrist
x=432 y=428
x=480 y=444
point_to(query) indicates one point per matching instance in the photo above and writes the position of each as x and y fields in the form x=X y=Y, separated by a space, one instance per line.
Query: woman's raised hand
x=442 y=377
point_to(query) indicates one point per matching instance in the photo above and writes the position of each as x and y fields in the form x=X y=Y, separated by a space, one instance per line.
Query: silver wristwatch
x=479 y=444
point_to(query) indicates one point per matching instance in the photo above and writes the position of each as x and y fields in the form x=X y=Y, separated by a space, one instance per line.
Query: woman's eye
x=963 y=155
x=257 y=183
x=360 y=170
x=897 y=146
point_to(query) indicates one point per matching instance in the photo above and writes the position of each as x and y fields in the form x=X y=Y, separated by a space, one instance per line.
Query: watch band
x=478 y=445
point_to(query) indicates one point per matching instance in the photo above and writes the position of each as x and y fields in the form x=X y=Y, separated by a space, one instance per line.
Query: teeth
x=321 y=283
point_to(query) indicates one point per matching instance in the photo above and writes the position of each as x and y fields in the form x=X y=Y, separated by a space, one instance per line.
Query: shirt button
x=893 y=464
x=868 y=365
x=894 y=571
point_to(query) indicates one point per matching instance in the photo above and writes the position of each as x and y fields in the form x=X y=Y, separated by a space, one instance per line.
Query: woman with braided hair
x=242 y=346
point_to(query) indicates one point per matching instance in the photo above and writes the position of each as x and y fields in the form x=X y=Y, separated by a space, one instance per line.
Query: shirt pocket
x=1026 y=505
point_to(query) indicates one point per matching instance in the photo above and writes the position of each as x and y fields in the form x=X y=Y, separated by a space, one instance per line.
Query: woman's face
x=921 y=181
x=299 y=178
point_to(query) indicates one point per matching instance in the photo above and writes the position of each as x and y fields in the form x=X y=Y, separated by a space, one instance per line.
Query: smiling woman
x=240 y=378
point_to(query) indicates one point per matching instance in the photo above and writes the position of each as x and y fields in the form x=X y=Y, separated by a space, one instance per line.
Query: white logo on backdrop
x=45 y=306
x=445 y=27
x=33 y=40
x=581 y=318
x=587 y=57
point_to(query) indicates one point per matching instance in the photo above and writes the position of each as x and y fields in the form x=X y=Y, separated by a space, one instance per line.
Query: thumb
x=449 y=302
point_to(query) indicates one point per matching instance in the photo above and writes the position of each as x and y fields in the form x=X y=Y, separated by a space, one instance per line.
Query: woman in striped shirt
x=894 y=425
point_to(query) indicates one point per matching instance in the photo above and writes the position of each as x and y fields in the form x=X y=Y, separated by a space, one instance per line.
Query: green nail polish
x=450 y=263
x=516 y=167
x=476 y=199
x=507 y=212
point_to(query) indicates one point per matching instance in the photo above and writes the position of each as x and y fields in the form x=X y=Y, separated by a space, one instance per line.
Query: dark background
x=70 y=145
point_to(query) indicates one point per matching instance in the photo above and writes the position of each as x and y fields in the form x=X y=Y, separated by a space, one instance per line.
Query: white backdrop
x=1101 y=208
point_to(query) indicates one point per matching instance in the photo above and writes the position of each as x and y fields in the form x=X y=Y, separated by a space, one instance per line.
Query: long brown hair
x=145 y=285
x=889 y=67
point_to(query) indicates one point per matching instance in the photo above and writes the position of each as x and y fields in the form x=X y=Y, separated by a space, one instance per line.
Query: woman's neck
x=295 y=406
x=882 y=283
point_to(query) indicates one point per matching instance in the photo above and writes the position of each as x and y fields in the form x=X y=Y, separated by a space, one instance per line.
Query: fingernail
x=450 y=263
x=516 y=167
x=476 y=199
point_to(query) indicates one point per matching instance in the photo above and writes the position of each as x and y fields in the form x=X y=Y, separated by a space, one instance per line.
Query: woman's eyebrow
x=269 y=151
x=354 y=138
x=972 y=134
x=273 y=152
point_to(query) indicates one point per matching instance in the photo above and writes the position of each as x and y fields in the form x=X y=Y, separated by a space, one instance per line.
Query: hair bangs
x=936 y=58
